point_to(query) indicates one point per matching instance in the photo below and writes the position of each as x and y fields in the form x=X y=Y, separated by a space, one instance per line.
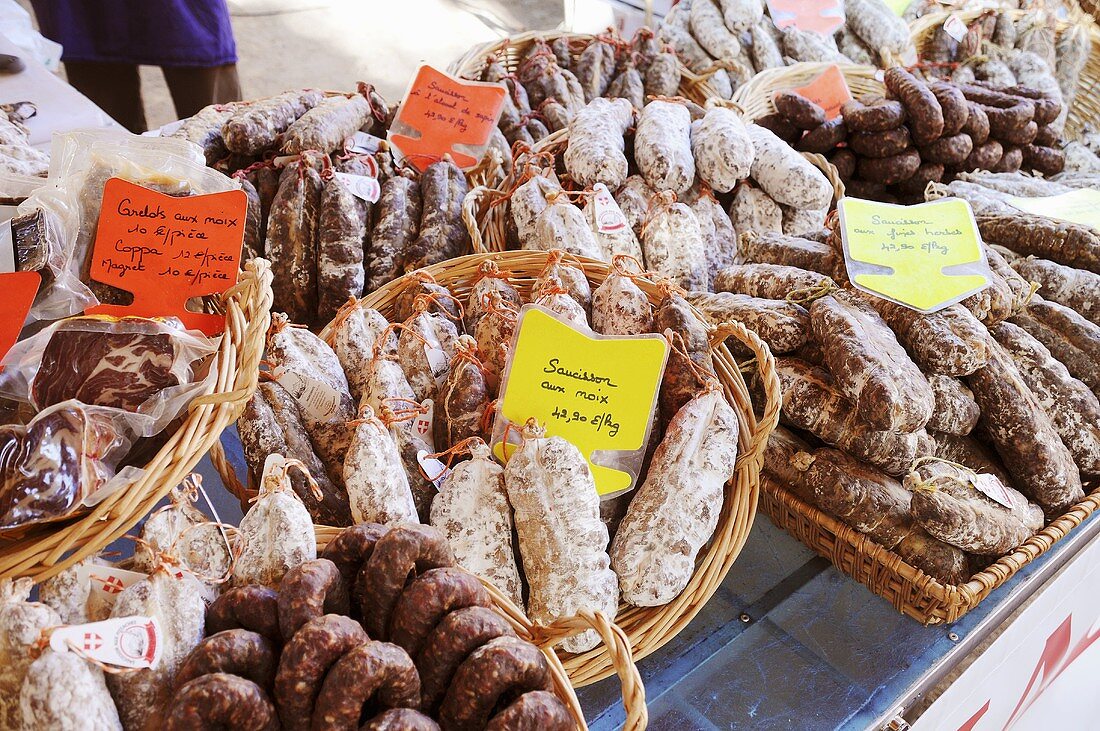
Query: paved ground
x=331 y=44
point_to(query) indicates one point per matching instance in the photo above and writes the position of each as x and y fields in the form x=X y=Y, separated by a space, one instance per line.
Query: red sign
x=167 y=250
x=829 y=91
x=19 y=290
x=442 y=115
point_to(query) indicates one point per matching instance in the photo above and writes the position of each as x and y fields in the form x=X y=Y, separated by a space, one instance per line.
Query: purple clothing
x=149 y=32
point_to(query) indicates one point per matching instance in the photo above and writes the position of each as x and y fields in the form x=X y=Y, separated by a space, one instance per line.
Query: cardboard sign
x=829 y=91
x=1077 y=206
x=127 y=642
x=819 y=16
x=926 y=256
x=19 y=290
x=166 y=250
x=595 y=391
x=442 y=115
x=898 y=6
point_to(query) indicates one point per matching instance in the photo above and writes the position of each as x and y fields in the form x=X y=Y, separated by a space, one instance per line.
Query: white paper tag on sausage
x=316 y=398
x=993 y=489
x=361 y=186
x=127 y=642
x=107 y=582
x=363 y=143
x=955 y=28
x=436 y=471
x=437 y=361
x=609 y=217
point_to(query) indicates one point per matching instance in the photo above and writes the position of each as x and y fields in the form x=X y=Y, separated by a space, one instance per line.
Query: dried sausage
x=374 y=672
x=502 y=668
x=429 y=598
x=234 y=651
x=926 y=121
x=449 y=643
x=308 y=591
x=252 y=607
x=407 y=550
x=305 y=661
x=537 y=710
x=221 y=700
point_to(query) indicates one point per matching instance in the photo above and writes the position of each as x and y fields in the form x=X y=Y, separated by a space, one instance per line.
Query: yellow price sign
x=597 y=392
x=926 y=256
x=1077 y=206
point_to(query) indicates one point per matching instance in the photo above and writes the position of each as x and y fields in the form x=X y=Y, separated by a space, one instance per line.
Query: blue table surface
x=787 y=642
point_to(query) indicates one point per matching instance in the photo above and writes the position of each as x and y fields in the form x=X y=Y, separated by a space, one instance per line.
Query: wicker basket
x=615 y=641
x=755 y=97
x=647 y=629
x=486 y=219
x=909 y=589
x=1085 y=108
x=44 y=551
x=510 y=50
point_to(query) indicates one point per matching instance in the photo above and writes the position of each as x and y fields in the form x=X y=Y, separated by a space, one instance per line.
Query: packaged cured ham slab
x=137 y=365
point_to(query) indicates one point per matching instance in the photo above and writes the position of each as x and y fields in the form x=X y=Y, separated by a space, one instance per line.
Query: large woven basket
x=755 y=97
x=647 y=629
x=510 y=50
x=614 y=640
x=1085 y=108
x=485 y=212
x=44 y=551
x=909 y=589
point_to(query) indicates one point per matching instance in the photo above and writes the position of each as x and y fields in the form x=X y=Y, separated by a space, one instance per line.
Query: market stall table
x=788 y=641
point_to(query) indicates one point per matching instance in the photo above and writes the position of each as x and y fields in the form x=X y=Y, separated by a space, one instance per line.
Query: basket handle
x=229 y=477
x=471 y=205
x=765 y=364
x=618 y=648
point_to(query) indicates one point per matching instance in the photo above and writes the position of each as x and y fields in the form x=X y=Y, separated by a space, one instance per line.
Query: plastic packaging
x=148 y=367
x=81 y=163
x=65 y=457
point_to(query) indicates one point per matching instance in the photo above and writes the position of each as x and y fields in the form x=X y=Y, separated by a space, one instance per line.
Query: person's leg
x=194 y=88
x=114 y=87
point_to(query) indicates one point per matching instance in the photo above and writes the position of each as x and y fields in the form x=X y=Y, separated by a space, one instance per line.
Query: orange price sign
x=19 y=290
x=442 y=115
x=166 y=250
x=819 y=16
x=829 y=91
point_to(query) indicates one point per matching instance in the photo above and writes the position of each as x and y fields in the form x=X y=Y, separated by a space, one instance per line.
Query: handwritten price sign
x=926 y=256
x=597 y=392
x=166 y=250
x=442 y=115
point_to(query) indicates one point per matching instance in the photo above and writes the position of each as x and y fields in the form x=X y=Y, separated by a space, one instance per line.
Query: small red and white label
x=995 y=490
x=609 y=217
x=107 y=582
x=126 y=642
x=955 y=28
x=423 y=422
x=361 y=186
